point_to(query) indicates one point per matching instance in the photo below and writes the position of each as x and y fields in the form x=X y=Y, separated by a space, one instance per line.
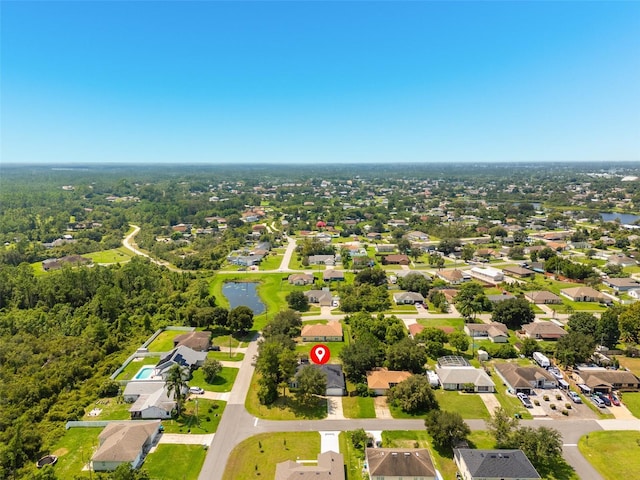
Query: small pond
x=243 y=293
x=625 y=218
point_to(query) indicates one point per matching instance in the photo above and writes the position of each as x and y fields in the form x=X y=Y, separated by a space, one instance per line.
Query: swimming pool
x=145 y=373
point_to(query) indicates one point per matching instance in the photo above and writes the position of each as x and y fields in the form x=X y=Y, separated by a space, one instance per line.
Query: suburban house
x=583 y=294
x=495 y=331
x=454 y=277
x=329 y=332
x=501 y=297
x=380 y=380
x=395 y=259
x=416 y=236
x=321 y=297
x=460 y=377
x=330 y=466
x=397 y=463
x=415 y=329
x=494 y=464
x=519 y=272
x=183 y=356
x=301 y=279
x=404 y=273
x=542 y=296
x=543 y=331
x=601 y=379
x=407 y=298
x=621 y=260
x=385 y=247
x=487 y=274
x=134 y=389
x=336 y=383
x=154 y=405
x=329 y=260
x=196 y=340
x=245 y=260
x=331 y=275
x=524 y=379
x=124 y=442
x=621 y=284
x=635 y=293
x=57 y=263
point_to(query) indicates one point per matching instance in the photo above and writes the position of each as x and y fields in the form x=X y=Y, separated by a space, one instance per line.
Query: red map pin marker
x=320 y=354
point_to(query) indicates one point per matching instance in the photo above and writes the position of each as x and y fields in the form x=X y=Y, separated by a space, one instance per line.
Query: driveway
x=329 y=441
x=381 y=407
x=334 y=408
x=187 y=438
x=490 y=401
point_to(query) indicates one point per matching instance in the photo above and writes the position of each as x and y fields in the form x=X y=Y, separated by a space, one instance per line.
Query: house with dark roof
x=524 y=379
x=196 y=340
x=124 y=442
x=494 y=464
x=396 y=463
x=183 y=356
x=331 y=275
x=519 y=272
x=330 y=466
x=407 y=298
x=329 y=332
x=336 y=383
x=501 y=297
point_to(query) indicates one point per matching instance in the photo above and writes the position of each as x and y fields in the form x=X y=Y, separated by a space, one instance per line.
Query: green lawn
x=222 y=383
x=164 y=341
x=175 y=462
x=271 y=262
x=116 y=255
x=112 y=409
x=358 y=407
x=257 y=456
x=74 y=450
x=303 y=348
x=469 y=405
x=135 y=365
x=209 y=413
x=224 y=356
x=284 y=408
x=632 y=402
x=614 y=454
x=353 y=459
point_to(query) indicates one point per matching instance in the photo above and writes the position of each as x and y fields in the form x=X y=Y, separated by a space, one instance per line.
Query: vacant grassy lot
x=164 y=341
x=135 y=365
x=632 y=364
x=224 y=356
x=175 y=462
x=358 y=407
x=116 y=255
x=257 y=456
x=209 y=413
x=457 y=323
x=632 y=402
x=614 y=454
x=469 y=405
x=222 y=383
x=285 y=408
x=112 y=409
x=74 y=450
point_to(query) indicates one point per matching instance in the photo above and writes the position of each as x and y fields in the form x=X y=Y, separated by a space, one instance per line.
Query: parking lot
x=544 y=409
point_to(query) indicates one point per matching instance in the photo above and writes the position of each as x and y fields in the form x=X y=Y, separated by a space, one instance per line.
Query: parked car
x=196 y=390
x=597 y=401
x=524 y=398
x=214 y=348
x=604 y=398
x=575 y=397
x=615 y=400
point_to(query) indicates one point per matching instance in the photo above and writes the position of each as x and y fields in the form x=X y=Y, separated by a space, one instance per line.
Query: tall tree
x=297 y=300
x=583 y=322
x=413 y=395
x=501 y=426
x=459 y=341
x=446 y=428
x=470 y=300
x=513 y=313
x=608 y=329
x=406 y=355
x=176 y=382
x=629 y=321
x=312 y=383
x=574 y=348
x=241 y=319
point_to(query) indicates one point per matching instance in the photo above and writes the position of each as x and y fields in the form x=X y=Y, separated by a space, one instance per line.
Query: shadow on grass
x=558 y=469
x=315 y=411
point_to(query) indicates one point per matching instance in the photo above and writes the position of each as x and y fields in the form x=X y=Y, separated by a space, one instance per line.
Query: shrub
x=536 y=403
x=567 y=406
x=552 y=406
x=545 y=398
x=565 y=412
x=558 y=396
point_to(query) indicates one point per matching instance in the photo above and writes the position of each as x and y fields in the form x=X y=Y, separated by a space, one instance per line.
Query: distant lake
x=625 y=218
x=243 y=293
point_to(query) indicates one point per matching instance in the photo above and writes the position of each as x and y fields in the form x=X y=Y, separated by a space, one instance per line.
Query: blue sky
x=319 y=82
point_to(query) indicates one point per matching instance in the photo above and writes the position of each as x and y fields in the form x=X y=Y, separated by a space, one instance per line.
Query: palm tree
x=176 y=382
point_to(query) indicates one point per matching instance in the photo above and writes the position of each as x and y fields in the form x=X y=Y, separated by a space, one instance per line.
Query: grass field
x=112 y=409
x=358 y=407
x=257 y=456
x=632 y=364
x=222 y=383
x=74 y=450
x=164 y=341
x=613 y=454
x=285 y=408
x=632 y=402
x=116 y=255
x=353 y=458
x=224 y=356
x=209 y=413
x=175 y=462
x=469 y=405
x=135 y=365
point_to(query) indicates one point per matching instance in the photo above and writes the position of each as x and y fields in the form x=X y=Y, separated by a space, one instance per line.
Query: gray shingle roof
x=496 y=463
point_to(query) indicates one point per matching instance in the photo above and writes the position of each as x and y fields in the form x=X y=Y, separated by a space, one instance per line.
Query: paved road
x=129 y=244
x=286 y=258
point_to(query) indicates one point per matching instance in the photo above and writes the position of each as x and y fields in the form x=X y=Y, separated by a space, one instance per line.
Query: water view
x=243 y=293
x=625 y=218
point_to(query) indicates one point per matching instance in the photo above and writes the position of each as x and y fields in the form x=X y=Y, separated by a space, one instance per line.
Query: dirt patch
x=60 y=452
